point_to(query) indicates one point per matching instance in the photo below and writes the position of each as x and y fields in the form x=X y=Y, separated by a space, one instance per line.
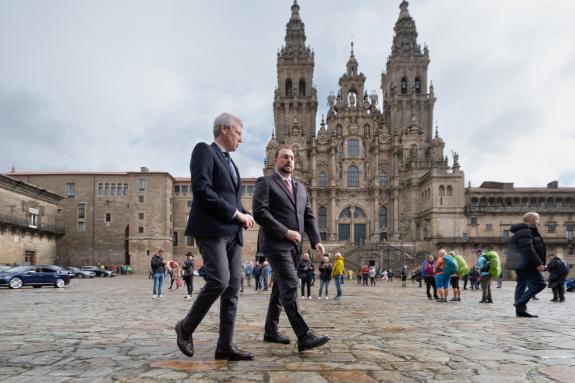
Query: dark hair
x=280 y=148
x=189 y=254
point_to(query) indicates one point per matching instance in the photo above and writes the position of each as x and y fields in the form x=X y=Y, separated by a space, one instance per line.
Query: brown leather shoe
x=233 y=353
x=185 y=344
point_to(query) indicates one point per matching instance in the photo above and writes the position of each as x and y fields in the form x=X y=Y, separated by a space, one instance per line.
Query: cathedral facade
x=374 y=174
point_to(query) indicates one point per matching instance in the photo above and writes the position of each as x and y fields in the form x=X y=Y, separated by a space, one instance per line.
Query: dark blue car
x=36 y=276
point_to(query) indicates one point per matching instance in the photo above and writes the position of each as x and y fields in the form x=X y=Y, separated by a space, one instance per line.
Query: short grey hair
x=225 y=120
x=529 y=215
x=442 y=252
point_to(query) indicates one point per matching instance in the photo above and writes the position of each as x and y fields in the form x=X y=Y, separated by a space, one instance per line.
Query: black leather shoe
x=233 y=354
x=522 y=313
x=309 y=341
x=185 y=344
x=276 y=338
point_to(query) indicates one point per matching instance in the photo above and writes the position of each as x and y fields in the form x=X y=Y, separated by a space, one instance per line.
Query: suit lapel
x=280 y=182
x=225 y=163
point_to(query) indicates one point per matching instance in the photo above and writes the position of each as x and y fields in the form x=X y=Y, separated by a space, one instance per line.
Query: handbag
x=179 y=283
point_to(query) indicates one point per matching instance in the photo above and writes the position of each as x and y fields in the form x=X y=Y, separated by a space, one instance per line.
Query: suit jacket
x=276 y=213
x=216 y=195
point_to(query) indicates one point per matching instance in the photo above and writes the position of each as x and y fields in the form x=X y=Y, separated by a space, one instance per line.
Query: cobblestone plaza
x=106 y=330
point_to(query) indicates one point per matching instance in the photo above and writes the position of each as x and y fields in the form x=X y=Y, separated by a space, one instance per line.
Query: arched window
x=442 y=191
x=382 y=179
x=289 y=87
x=382 y=217
x=353 y=176
x=449 y=191
x=353 y=148
x=345 y=213
x=417 y=85
x=366 y=130
x=302 y=87
x=322 y=180
x=403 y=85
x=358 y=213
x=322 y=217
x=413 y=153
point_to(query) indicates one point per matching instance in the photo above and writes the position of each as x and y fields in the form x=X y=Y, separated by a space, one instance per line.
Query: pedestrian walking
x=249 y=270
x=216 y=221
x=527 y=256
x=282 y=210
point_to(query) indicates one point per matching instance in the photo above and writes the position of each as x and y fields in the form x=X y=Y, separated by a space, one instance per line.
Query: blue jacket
x=483 y=263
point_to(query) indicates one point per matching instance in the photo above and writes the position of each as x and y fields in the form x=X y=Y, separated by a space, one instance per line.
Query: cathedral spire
x=352 y=63
x=405 y=39
x=295 y=31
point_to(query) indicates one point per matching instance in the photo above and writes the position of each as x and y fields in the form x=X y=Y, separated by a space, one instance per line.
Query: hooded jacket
x=337 y=267
x=529 y=245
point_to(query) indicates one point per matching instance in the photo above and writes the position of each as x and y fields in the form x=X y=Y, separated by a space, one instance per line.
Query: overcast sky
x=114 y=85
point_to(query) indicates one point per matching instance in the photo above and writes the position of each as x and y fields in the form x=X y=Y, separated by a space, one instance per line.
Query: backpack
x=449 y=265
x=494 y=263
x=428 y=268
x=462 y=268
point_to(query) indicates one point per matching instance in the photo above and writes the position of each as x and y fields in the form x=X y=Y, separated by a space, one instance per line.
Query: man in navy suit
x=281 y=208
x=216 y=222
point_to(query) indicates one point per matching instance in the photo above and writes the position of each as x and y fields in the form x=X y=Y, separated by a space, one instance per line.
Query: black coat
x=325 y=272
x=527 y=249
x=306 y=275
x=558 y=271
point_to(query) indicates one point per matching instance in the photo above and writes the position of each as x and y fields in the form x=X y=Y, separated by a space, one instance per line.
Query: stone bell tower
x=295 y=97
x=404 y=83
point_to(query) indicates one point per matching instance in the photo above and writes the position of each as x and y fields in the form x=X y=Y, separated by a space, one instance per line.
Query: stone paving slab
x=111 y=330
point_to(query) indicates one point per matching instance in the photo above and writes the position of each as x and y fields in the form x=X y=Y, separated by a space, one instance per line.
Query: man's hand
x=294 y=236
x=320 y=249
x=246 y=220
x=541 y=267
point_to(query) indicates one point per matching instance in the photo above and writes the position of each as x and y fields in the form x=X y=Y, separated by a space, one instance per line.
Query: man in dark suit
x=216 y=221
x=281 y=208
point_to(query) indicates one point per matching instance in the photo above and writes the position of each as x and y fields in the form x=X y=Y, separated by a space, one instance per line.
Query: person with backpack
x=443 y=276
x=474 y=278
x=403 y=276
x=427 y=269
x=365 y=274
x=462 y=270
x=558 y=271
x=483 y=266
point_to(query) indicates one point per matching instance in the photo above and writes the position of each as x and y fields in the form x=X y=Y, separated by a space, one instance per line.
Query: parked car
x=77 y=272
x=4 y=268
x=99 y=273
x=36 y=276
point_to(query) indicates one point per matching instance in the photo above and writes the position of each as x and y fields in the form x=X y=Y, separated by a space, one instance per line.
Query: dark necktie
x=231 y=166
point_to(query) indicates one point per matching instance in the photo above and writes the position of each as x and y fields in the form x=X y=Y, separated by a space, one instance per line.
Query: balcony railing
x=25 y=223
x=518 y=209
